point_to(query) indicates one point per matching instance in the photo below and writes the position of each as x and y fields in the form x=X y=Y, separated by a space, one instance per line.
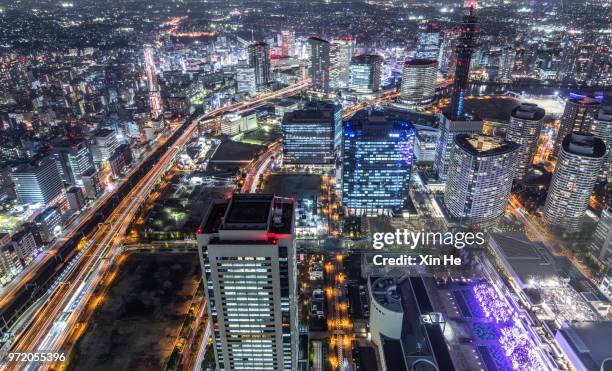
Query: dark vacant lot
x=137 y=325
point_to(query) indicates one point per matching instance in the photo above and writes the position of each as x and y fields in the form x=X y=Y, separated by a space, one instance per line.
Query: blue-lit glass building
x=377 y=160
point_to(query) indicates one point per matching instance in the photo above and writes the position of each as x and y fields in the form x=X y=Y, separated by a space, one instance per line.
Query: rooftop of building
x=465 y=116
x=262 y=212
x=384 y=292
x=104 y=133
x=318 y=39
x=583 y=100
x=528 y=111
x=32 y=167
x=419 y=340
x=260 y=43
x=63 y=144
x=376 y=120
x=312 y=112
x=484 y=145
x=366 y=59
x=420 y=62
x=590 y=341
x=584 y=144
x=528 y=259
x=285 y=102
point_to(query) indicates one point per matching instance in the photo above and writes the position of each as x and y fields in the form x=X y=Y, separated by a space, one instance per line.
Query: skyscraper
x=245 y=80
x=104 y=146
x=447 y=56
x=480 y=177
x=448 y=129
x=320 y=63
x=524 y=129
x=465 y=48
x=72 y=160
x=602 y=128
x=38 y=183
x=578 y=166
x=578 y=115
x=342 y=50
x=287 y=43
x=506 y=64
x=377 y=161
x=429 y=42
x=309 y=134
x=247 y=253
x=419 y=82
x=259 y=59
x=365 y=73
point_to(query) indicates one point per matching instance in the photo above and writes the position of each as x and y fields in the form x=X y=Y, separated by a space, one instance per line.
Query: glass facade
x=365 y=73
x=309 y=136
x=377 y=161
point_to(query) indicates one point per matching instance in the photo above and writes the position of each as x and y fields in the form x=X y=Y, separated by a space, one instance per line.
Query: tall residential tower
x=524 y=129
x=480 y=177
x=579 y=164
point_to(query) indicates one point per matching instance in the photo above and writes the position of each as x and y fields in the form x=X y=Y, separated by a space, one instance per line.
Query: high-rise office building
x=429 y=42
x=92 y=187
x=287 y=43
x=259 y=59
x=341 y=53
x=602 y=128
x=365 y=73
x=49 y=224
x=425 y=144
x=524 y=129
x=418 y=82
x=578 y=115
x=105 y=144
x=578 y=166
x=309 y=134
x=72 y=160
x=448 y=129
x=447 y=56
x=245 y=80
x=376 y=162
x=247 y=253
x=38 y=183
x=320 y=63
x=465 y=48
x=506 y=64
x=480 y=177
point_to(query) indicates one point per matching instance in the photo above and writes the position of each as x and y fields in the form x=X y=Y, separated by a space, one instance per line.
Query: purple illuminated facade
x=516 y=342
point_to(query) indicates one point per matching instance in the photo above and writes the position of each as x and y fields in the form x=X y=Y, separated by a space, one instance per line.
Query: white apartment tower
x=579 y=164
x=480 y=177
x=524 y=129
x=247 y=253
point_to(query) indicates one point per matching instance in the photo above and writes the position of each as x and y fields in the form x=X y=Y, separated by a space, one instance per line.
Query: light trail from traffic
x=154 y=95
x=55 y=324
x=48 y=328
